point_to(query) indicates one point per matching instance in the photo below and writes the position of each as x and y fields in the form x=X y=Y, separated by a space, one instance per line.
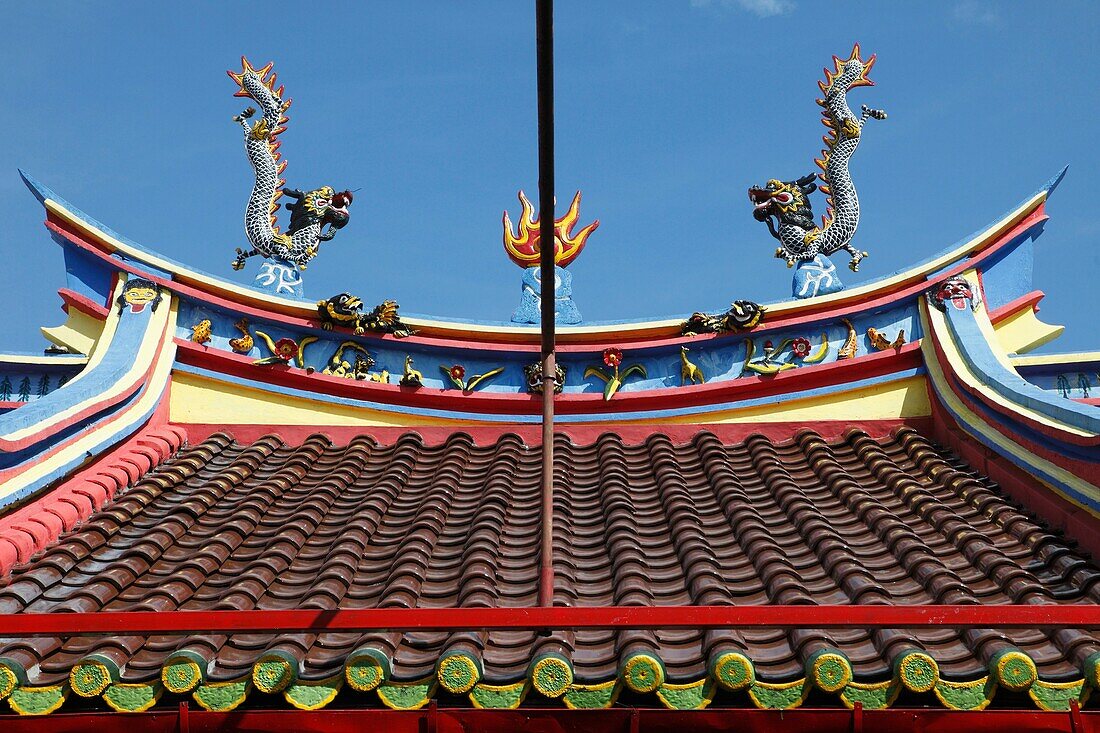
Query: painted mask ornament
x=954 y=290
x=785 y=205
x=138 y=294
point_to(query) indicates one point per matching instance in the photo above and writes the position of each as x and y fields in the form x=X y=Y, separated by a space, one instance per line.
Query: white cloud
x=759 y=8
x=972 y=12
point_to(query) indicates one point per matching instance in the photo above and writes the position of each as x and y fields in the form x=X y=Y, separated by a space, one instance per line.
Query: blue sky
x=667 y=112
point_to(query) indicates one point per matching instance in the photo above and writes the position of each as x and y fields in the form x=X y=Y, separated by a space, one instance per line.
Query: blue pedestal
x=815 y=277
x=279 y=277
x=530 y=302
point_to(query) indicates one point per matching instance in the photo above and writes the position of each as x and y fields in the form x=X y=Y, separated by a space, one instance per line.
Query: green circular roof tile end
x=183 y=672
x=275 y=671
x=367 y=668
x=1091 y=670
x=829 y=670
x=1013 y=669
x=92 y=675
x=458 y=672
x=917 y=671
x=733 y=671
x=12 y=675
x=551 y=675
x=642 y=672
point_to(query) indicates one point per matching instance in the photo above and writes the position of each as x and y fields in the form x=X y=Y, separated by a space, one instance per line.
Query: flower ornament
x=456 y=374
x=771 y=363
x=613 y=357
x=285 y=350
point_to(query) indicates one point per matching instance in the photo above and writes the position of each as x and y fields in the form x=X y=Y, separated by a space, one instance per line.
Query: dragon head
x=322 y=205
x=787 y=201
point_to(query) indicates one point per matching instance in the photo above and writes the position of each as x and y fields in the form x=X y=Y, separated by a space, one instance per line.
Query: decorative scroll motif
x=533 y=372
x=411 y=377
x=743 y=315
x=955 y=290
x=279 y=278
x=689 y=372
x=800 y=351
x=139 y=293
x=456 y=375
x=848 y=349
x=613 y=358
x=785 y=205
x=881 y=343
x=358 y=366
x=523 y=247
x=285 y=350
x=315 y=215
x=200 y=332
x=243 y=344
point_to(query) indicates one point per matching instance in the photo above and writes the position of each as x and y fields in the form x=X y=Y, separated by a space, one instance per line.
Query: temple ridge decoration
x=315 y=215
x=523 y=248
x=785 y=205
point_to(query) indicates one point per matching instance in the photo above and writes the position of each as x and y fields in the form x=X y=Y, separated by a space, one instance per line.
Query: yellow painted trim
x=962 y=370
x=80 y=332
x=566 y=334
x=977 y=424
x=109 y=329
x=44 y=689
x=1022 y=332
x=36 y=360
x=145 y=403
x=1086 y=691
x=200 y=399
x=1055 y=359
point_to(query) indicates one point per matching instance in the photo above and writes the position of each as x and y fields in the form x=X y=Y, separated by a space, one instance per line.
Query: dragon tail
x=262 y=147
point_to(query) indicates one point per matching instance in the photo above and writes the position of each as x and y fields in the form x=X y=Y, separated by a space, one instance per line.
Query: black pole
x=544 y=50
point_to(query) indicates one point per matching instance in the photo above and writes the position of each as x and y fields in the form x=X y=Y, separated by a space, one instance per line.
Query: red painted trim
x=1057 y=511
x=41 y=521
x=1046 y=616
x=84 y=304
x=11 y=404
x=1031 y=300
x=1085 y=470
x=531 y=435
x=806 y=314
x=669 y=398
x=971 y=395
x=1088 y=400
x=622 y=718
x=50 y=426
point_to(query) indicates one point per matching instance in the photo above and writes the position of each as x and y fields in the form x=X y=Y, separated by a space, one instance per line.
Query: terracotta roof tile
x=270 y=526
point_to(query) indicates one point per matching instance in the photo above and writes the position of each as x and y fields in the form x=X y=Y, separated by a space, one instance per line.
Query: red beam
x=635 y=617
x=642 y=720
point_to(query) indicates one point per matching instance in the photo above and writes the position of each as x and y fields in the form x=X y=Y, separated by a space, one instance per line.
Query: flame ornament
x=523 y=247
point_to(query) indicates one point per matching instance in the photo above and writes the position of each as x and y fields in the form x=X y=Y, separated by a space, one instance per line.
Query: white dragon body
x=315 y=215
x=788 y=201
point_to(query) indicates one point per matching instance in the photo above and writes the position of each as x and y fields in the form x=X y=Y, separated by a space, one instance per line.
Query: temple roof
x=893 y=519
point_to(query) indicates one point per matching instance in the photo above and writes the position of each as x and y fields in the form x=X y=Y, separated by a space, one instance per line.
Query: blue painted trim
x=118 y=360
x=979 y=356
x=1026 y=466
x=586 y=418
x=109 y=441
x=42 y=192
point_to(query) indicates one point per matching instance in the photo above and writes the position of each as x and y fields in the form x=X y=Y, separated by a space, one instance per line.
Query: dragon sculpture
x=787 y=202
x=314 y=216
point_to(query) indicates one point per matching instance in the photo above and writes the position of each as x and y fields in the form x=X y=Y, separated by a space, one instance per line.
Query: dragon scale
x=788 y=202
x=312 y=210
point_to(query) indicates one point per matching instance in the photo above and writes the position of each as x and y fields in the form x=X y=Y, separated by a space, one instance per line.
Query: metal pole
x=544 y=50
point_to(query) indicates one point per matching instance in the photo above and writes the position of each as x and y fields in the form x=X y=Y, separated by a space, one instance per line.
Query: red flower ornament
x=800 y=347
x=613 y=357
